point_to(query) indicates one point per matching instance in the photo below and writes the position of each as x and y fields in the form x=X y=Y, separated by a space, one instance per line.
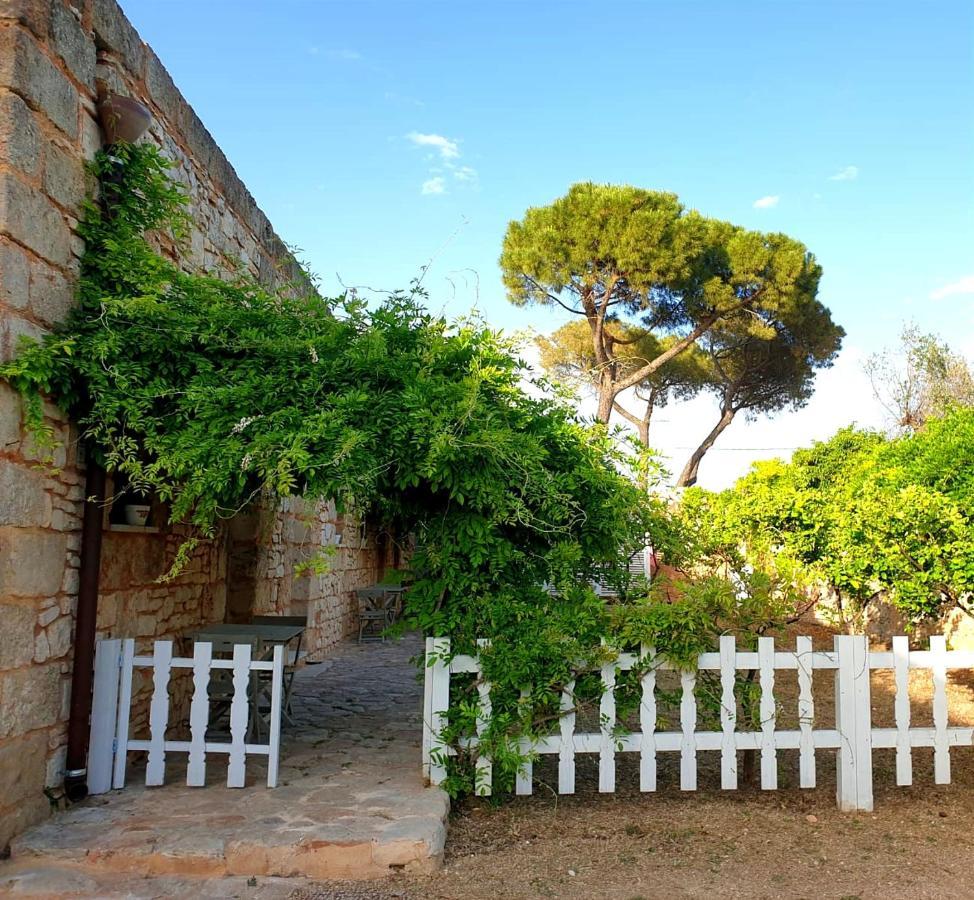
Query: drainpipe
x=122 y=119
x=82 y=675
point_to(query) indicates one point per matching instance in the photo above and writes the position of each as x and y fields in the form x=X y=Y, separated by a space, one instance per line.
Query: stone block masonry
x=55 y=58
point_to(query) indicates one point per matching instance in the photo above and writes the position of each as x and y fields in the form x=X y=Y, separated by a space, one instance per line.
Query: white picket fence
x=110 y=743
x=853 y=737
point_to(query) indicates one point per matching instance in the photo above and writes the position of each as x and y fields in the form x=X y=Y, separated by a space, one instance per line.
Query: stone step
x=65 y=882
x=143 y=838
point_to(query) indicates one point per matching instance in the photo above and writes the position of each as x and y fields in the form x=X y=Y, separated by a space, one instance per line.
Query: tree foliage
x=568 y=354
x=920 y=379
x=619 y=255
x=864 y=515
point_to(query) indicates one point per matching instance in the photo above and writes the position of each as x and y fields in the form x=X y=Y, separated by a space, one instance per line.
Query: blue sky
x=380 y=135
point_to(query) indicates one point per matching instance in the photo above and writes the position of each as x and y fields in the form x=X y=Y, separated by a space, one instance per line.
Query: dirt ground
x=789 y=843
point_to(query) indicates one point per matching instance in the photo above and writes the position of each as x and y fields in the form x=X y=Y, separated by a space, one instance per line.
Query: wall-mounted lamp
x=123 y=119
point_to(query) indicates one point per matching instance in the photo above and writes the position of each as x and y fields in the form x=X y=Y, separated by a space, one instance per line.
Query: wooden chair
x=373 y=613
x=291 y=656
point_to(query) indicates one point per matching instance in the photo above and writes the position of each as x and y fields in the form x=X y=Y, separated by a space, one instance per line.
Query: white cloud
x=766 y=202
x=848 y=173
x=464 y=173
x=435 y=185
x=448 y=149
x=344 y=55
x=963 y=285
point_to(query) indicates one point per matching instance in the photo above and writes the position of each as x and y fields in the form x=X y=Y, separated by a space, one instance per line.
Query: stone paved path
x=350 y=804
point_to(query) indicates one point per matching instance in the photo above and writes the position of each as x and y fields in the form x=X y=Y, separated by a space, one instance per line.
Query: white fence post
x=439 y=674
x=853 y=721
x=104 y=708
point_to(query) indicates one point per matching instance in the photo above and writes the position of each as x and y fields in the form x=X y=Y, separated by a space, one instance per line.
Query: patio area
x=351 y=802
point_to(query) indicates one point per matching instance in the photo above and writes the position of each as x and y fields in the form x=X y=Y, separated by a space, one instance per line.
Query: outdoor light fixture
x=123 y=119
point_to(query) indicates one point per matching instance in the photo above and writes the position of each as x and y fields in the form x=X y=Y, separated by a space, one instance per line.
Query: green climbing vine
x=211 y=391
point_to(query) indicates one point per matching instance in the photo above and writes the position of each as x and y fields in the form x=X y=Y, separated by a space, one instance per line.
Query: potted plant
x=137 y=513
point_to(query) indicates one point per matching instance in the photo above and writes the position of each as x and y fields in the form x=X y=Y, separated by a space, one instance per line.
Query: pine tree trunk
x=688 y=477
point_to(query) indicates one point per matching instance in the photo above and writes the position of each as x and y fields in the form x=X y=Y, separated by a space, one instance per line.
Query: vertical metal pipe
x=76 y=774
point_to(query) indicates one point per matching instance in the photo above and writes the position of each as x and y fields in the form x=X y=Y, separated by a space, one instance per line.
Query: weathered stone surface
x=14 y=276
x=114 y=31
x=59 y=636
x=12 y=329
x=51 y=294
x=21 y=762
x=35 y=14
x=9 y=417
x=19 y=136
x=31 y=219
x=29 y=698
x=17 y=644
x=24 y=499
x=71 y=43
x=31 y=562
x=64 y=177
x=28 y=72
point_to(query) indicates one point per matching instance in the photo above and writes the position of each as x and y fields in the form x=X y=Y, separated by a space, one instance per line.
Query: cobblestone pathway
x=351 y=802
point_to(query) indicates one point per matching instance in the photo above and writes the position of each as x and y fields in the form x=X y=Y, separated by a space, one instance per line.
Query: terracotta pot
x=123 y=119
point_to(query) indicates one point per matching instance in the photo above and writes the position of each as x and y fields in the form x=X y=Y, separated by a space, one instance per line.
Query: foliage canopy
x=620 y=255
x=865 y=515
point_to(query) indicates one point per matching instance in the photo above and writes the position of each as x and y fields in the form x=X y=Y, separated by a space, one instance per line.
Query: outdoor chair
x=374 y=613
x=291 y=656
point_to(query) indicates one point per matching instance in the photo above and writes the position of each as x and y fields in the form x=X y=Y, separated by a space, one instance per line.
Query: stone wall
x=55 y=58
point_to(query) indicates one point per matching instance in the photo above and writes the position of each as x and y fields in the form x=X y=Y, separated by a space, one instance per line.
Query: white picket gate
x=110 y=743
x=853 y=737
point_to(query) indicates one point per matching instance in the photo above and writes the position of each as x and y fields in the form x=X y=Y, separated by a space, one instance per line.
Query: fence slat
x=768 y=712
x=124 y=710
x=484 y=775
x=524 y=780
x=566 y=750
x=274 y=732
x=728 y=712
x=104 y=716
x=199 y=713
x=688 y=721
x=427 y=708
x=155 y=769
x=647 y=722
x=239 y=708
x=607 y=723
x=938 y=667
x=438 y=671
x=806 y=713
x=901 y=668
x=864 y=725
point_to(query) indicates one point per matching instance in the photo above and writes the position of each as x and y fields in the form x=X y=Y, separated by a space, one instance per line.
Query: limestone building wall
x=55 y=57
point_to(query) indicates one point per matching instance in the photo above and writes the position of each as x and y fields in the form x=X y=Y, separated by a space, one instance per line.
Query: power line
x=725 y=449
